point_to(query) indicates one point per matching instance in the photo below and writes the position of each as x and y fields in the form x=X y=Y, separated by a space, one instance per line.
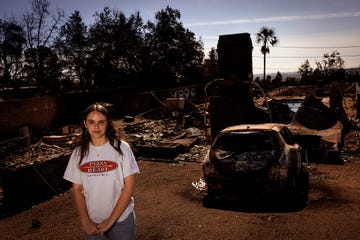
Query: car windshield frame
x=247 y=141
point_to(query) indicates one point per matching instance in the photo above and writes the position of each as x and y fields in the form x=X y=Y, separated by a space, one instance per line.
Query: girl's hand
x=90 y=227
x=105 y=225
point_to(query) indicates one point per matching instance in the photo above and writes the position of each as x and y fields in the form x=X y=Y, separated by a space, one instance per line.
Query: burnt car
x=254 y=158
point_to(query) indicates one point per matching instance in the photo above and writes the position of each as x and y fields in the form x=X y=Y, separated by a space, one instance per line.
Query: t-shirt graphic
x=98 y=166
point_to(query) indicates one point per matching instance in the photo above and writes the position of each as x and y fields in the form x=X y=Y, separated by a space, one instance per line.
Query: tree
x=267 y=82
x=72 y=45
x=176 y=56
x=277 y=81
x=317 y=76
x=306 y=71
x=331 y=63
x=266 y=36
x=11 y=46
x=210 y=66
x=41 y=27
x=49 y=68
x=116 y=46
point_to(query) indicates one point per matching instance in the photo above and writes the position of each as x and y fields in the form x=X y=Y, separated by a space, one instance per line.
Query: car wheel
x=297 y=198
x=302 y=189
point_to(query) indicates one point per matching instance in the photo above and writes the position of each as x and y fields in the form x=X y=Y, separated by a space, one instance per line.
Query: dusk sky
x=306 y=28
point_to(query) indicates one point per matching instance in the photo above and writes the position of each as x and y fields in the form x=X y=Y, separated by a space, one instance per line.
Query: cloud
x=278 y=19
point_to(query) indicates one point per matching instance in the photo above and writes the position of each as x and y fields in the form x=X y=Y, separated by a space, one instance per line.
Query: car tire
x=298 y=197
x=302 y=189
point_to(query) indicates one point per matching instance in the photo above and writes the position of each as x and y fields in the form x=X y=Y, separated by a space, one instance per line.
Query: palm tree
x=266 y=36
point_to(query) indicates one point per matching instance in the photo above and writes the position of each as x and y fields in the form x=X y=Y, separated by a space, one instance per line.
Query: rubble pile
x=33 y=154
x=151 y=132
x=168 y=137
x=160 y=133
x=196 y=154
x=155 y=134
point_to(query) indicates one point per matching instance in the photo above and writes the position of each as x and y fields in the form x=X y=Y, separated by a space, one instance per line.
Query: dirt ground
x=168 y=206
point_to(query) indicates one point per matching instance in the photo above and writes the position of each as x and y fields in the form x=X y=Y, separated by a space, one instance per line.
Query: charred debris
x=184 y=122
x=182 y=130
x=183 y=127
x=178 y=131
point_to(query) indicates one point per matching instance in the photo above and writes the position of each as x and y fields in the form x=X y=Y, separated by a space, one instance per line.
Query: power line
x=311 y=47
x=267 y=56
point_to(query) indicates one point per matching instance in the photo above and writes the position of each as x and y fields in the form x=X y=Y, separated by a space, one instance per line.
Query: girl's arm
x=79 y=199
x=122 y=203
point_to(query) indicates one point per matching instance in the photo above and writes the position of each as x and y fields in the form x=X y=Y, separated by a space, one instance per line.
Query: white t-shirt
x=102 y=174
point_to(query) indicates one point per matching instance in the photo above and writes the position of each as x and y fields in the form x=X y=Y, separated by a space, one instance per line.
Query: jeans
x=125 y=230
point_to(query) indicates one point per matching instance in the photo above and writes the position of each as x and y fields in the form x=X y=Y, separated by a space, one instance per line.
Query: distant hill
x=284 y=75
x=297 y=75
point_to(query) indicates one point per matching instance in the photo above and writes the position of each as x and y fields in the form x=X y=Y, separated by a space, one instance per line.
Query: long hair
x=113 y=136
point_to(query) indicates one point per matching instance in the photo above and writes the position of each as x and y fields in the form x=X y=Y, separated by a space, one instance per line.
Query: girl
x=102 y=170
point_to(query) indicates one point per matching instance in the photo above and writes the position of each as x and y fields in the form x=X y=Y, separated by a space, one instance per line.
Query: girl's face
x=96 y=124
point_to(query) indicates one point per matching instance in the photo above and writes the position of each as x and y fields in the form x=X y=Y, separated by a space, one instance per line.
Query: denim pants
x=125 y=230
